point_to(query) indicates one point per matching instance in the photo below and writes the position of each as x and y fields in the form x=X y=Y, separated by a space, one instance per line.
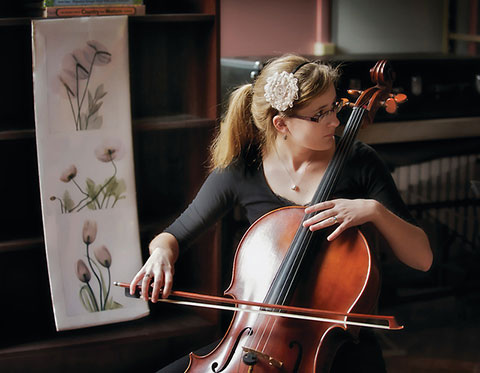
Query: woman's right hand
x=159 y=268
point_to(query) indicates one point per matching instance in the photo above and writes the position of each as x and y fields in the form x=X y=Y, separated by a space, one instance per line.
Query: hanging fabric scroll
x=85 y=160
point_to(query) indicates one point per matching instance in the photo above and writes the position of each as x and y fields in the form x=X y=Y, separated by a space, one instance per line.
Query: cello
x=340 y=282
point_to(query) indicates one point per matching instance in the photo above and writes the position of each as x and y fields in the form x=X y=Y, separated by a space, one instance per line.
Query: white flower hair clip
x=281 y=90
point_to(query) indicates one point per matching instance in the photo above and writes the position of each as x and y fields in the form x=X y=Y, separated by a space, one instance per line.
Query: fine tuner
x=390 y=104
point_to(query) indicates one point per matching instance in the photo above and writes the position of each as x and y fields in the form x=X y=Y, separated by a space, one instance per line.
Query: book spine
x=50 y=3
x=85 y=11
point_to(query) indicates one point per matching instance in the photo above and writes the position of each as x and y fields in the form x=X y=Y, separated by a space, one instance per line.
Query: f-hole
x=293 y=344
x=232 y=352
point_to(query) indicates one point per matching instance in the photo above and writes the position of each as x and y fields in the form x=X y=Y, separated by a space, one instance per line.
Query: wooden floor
x=441 y=336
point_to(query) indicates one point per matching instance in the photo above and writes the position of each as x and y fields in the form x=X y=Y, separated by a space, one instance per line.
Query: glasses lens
x=337 y=106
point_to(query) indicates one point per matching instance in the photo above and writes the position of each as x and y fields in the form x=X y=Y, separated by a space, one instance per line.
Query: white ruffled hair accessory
x=281 y=90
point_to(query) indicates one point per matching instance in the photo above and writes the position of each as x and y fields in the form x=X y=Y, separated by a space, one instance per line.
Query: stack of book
x=84 y=8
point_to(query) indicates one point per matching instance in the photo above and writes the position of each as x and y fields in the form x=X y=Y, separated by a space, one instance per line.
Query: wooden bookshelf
x=174 y=80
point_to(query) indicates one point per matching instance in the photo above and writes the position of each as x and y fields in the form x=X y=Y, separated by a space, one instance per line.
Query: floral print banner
x=85 y=160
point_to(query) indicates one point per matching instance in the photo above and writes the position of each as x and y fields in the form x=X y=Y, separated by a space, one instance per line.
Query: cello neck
x=345 y=144
x=279 y=293
x=363 y=111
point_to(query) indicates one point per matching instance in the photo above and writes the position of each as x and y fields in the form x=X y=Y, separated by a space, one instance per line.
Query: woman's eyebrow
x=322 y=107
x=325 y=106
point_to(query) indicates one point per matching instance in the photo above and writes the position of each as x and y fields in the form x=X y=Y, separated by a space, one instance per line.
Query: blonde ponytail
x=236 y=130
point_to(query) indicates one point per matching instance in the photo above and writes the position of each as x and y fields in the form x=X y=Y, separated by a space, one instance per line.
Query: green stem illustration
x=79 y=188
x=85 y=91
x=102 y=280
x=114 y=202
x=103 y=186
x=93 y=299
x=87 y=304
x=71 y=106
x=109 y=286
x=94 y=272
x=61 y=203
x=77 y=121
x=78 y=204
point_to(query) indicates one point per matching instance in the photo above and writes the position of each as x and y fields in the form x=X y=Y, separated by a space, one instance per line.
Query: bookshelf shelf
x=24 y=244
x=86 y=346
x=17 y=135
x=145 y=124
x=172 y=122
x=36 y=242
x=20 y=21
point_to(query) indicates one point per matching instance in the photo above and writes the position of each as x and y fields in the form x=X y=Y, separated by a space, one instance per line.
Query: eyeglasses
x=336 y=107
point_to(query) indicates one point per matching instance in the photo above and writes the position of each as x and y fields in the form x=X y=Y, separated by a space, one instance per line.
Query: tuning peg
x=354 y=92
x=390 y=105
x=346 y=102
x=399 y=98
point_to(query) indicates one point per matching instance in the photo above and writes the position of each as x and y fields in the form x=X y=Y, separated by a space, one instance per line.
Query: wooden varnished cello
x=311 y=295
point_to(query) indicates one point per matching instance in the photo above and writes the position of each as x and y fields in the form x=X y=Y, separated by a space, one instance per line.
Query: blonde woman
x=272 y=150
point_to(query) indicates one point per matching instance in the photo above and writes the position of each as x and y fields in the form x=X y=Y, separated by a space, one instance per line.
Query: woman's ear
x=280 y=125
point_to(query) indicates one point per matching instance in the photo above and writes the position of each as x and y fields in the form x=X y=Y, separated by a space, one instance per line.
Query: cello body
x=340 y=276
x=279 y=262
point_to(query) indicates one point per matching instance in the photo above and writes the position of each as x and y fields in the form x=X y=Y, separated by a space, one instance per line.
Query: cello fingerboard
x=285 y=279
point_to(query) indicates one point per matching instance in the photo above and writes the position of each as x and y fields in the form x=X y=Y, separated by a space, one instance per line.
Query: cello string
x=330 y=180
x=345 y=142
x=271 y=328
x=337 y=164
x=304 y=236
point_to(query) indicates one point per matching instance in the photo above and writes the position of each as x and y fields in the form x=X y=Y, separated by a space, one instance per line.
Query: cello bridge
x=260 y=355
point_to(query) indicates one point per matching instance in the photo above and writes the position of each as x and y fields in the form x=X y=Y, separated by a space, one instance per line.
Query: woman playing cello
x=272 y=151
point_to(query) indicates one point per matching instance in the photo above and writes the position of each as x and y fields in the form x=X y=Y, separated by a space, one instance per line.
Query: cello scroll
x=380 y=95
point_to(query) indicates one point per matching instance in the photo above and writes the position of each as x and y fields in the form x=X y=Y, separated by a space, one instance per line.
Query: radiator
x=445 y=192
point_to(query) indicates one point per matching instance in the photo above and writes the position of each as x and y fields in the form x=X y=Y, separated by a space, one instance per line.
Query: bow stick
x=297 y=312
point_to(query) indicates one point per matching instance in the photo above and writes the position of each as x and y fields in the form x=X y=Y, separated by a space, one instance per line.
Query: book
x=49 y=3
x=94 y=10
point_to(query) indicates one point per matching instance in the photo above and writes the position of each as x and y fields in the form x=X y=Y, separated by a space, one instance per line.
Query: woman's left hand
x=344 y=213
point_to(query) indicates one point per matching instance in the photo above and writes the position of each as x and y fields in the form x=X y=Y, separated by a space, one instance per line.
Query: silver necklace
x=295 y=186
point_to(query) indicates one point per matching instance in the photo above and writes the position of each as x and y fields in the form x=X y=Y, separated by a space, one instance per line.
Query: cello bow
x=208 y=301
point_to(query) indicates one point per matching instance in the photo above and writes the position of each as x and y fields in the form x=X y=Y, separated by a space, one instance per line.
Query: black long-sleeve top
x=243 y=183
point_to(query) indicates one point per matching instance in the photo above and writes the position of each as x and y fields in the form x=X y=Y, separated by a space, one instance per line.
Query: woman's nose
x=333 y=120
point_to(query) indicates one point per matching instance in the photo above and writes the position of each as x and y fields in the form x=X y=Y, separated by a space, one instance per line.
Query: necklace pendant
x=294 y=187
